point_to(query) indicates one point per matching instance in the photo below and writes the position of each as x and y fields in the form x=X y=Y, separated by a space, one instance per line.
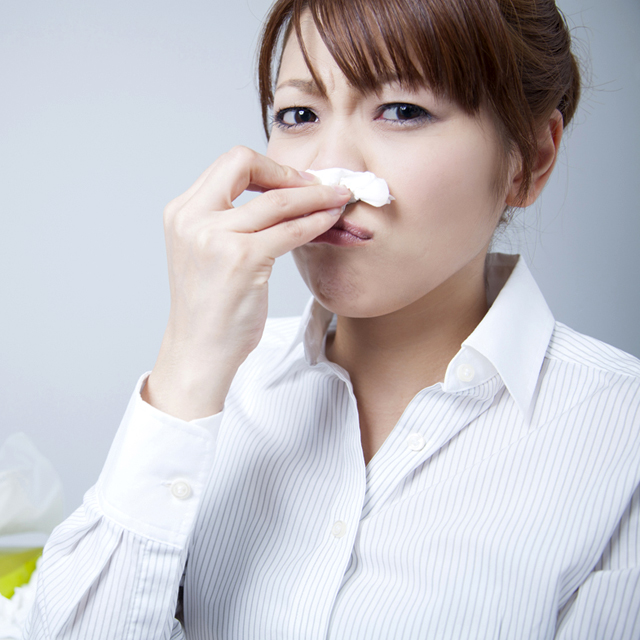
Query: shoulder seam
x=625 y=371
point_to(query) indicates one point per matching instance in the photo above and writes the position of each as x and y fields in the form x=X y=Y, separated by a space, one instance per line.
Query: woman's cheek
x=290 y=152
x=275 y=151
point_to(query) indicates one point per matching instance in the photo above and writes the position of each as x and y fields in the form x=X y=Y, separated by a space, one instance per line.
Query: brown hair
x=512 y=55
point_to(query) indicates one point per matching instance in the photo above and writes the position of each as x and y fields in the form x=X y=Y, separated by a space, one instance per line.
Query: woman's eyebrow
x=307 y=86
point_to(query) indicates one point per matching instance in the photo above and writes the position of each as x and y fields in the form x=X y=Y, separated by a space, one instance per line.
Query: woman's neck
x=390 y=358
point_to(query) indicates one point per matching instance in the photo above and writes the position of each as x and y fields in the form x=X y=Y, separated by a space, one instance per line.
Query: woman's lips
x=344 y=233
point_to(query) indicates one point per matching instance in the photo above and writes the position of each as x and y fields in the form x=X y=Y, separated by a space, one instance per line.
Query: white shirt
x=504 y=504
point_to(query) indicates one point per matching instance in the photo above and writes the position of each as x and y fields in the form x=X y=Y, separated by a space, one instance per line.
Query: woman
x=425 y=453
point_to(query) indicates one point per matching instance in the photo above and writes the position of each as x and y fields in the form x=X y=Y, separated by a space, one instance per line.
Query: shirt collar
x=511 y=340
x=515 y=333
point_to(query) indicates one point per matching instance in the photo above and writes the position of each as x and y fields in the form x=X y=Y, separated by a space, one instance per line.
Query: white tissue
x=30 y=488
x=364 y=185
x=14 y=611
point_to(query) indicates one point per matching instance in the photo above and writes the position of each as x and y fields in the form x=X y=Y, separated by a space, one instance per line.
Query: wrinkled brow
x=311 y=88
x=306 y=86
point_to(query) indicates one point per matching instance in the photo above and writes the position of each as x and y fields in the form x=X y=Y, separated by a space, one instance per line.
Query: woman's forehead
x=294 y=72
x=293 y=63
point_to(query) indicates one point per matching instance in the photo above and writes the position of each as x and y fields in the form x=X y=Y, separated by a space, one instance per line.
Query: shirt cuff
x=156 y=471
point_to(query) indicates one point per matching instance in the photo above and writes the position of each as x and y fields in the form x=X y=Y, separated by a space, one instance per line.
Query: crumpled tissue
x=14 y=611
x=30 y=489
x=364 y=185
x=31 y=501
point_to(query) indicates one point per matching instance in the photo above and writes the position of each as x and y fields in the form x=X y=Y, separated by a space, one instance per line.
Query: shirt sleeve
x=607 y=604
x=113 y=568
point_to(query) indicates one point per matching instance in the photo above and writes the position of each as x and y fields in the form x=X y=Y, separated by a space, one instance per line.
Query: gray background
x=109 y=109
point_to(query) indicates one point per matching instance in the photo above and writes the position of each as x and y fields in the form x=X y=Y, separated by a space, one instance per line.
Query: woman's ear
x=549 y=138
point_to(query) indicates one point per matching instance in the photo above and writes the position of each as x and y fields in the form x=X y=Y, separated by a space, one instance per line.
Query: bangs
x=445 y=45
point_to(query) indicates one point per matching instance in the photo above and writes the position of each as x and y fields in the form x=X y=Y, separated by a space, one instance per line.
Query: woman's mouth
x=344 y=233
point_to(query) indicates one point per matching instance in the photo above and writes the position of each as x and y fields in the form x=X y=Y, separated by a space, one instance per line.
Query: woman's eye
x=294 y=116
x=403 y=112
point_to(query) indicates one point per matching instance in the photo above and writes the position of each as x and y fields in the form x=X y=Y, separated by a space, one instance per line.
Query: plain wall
x=110 y=109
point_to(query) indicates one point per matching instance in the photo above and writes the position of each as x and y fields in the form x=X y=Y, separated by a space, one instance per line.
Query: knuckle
x=278 y=199
x=210 y=248
x=227 y=249
x=170 y=211
x=241 y=154
x=204 y=241
x=234 y=255
x=179 y=226
x=242 y=254
x=289 y=173
x=295 y=229
x=183 y=222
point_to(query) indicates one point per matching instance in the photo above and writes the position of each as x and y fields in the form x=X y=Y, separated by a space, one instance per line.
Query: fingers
x=287 y=235
x=239 y=169
x=292 y=210
x=278 y=205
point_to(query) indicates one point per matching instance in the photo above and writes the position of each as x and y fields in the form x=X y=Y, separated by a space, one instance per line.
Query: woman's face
x=440 y=165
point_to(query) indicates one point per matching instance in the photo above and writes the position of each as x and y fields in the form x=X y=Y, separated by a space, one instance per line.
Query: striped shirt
x=504 y=504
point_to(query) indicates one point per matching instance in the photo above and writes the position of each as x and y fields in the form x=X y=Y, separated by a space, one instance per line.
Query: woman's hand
x=220 y=259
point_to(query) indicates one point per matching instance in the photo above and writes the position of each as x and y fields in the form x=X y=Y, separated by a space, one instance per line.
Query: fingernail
x=343 y=191
x=307 y=176
x=335 y=212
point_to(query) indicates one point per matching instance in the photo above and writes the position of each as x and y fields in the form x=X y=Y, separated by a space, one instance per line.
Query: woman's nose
x=339 y=147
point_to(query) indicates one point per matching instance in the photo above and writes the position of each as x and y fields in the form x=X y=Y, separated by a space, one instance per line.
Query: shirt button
x=339 y=529
x=180 y=489
x=416 y=442
x=466 y=373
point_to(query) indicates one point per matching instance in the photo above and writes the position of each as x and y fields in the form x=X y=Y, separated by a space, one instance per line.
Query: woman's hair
x=514 y=56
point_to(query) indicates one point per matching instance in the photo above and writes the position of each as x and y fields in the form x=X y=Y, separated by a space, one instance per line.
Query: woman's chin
x=334 y=288
x=336 y=294
x=345 y=298
x=343 y=289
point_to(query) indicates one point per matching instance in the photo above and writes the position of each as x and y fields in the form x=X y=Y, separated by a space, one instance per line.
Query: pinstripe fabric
x=504 y=504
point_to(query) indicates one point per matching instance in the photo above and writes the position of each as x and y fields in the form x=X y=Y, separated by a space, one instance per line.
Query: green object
x=16 y=567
